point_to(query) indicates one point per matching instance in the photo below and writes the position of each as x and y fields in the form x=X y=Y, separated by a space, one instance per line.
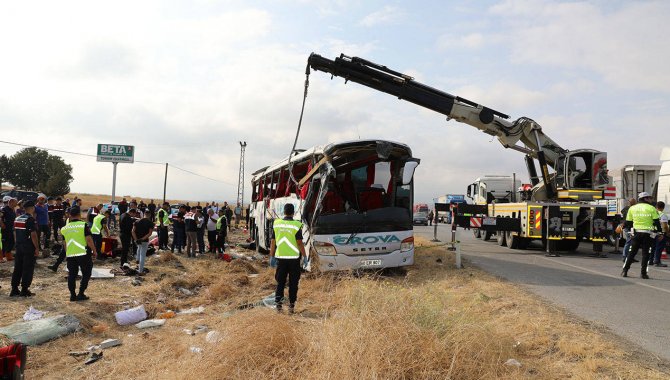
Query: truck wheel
x=512 y=240
x=524 y=242
x=486 y=235
x=477 y=232
x=500 y=239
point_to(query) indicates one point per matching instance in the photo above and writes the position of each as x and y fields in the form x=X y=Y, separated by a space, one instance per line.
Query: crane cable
x=297 y=133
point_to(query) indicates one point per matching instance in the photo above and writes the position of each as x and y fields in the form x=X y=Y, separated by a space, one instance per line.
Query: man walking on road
x=644 y=220
x=80 y=252
x=287 y=249
x=662 y=238
x=27 y=251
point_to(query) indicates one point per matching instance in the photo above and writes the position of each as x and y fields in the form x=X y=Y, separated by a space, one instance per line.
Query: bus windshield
x=364 y=192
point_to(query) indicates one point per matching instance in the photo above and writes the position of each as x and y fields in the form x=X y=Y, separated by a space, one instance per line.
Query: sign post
x=115 y=154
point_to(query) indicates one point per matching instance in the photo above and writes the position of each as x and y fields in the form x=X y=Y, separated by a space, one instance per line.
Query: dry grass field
x=430 y=322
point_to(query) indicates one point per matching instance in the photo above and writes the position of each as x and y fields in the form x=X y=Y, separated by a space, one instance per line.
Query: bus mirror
x=408 y=171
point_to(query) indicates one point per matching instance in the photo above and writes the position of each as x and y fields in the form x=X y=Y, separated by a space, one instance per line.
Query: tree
x=35 y=169
x=5 y=172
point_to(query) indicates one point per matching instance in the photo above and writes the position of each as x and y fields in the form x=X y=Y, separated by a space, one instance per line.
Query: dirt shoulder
x=431 y=321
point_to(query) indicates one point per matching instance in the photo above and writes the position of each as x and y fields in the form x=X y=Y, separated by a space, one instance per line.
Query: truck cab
x=490 y=188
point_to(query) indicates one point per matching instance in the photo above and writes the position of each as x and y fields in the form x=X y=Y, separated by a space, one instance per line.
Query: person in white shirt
x=211 y=229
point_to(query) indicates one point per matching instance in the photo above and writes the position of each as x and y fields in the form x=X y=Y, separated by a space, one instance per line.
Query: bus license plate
x=370 y=263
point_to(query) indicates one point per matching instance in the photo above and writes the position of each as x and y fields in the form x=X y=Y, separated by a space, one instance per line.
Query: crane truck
x=561 y=208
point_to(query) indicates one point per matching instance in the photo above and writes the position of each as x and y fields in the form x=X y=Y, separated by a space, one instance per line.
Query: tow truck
x=560 y=209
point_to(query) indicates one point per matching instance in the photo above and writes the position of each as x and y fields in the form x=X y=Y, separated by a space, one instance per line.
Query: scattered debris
x=185 y=291
x=77 y=354
x=214 y=337
x=110 y=343
x=32 y=314
x=36 y=332
x=513 y=362
x=516 y=345
x=97 y=329
x=253 y=275
x=150 y=323
x=194 y=310
x=161 y=298
x=131 y=316
x=95 y=356
x=195 y=350
x=137 y=281
x=166 y=315
x=100 y=273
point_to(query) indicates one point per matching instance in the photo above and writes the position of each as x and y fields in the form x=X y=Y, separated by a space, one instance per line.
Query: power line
x=93 y=155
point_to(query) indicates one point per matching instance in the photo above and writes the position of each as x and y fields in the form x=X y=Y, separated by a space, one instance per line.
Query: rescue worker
x=80 y=252
x=644 y=221
x=27 y=250
x=661 y=239
x=287 y=248
x=221 y=232
x=97 y=227
x=163 y=221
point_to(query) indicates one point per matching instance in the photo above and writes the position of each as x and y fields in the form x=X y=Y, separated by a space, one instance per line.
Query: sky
x=185 y=81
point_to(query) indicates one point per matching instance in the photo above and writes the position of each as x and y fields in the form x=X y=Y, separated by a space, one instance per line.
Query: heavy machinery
x=560 y=208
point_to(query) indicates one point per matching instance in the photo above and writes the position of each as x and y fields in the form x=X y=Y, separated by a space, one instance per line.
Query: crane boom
x=404 y=87
x=580 y=174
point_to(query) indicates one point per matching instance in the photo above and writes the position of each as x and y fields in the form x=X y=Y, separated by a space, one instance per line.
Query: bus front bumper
x=388 y=260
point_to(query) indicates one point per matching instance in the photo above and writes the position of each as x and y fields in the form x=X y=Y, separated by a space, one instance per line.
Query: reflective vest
x=218 y=222
x=75 y=239
x=162 y=214
x=642 y=215
x=286 y=243
x=96 y=228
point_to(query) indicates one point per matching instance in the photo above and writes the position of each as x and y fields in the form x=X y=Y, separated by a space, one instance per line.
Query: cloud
x=385 y=16
x=623 y=45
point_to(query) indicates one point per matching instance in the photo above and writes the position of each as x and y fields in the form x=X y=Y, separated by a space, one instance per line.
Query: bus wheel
x=512 y=240
x=477 y=232
x=500 y=239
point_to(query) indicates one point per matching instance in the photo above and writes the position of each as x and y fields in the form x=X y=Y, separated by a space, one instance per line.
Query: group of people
x=645 y=226
x=26 y=230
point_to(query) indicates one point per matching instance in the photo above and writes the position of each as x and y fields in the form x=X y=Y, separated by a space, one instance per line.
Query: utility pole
x=240 y=183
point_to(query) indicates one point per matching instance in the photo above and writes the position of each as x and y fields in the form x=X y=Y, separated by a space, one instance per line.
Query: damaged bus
x=354 y=200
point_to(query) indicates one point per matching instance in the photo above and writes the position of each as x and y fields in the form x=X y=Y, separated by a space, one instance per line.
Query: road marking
x=605 y=274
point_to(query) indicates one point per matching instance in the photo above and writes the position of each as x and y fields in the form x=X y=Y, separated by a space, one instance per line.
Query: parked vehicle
x=420 y=218
x=22 y=195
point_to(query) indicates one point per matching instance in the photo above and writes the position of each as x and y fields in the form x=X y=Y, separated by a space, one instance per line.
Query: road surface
x=589 y=287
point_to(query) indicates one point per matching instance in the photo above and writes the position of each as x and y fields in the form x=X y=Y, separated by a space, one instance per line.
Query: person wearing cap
x=8 y=217
x=80 y=252
x=42 y=216
x=27 y=249
x=287 y=249
x=644 y=221
x=99 y=224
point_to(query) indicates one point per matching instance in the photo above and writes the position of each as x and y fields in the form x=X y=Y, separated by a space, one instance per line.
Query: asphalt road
x=589 y=287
